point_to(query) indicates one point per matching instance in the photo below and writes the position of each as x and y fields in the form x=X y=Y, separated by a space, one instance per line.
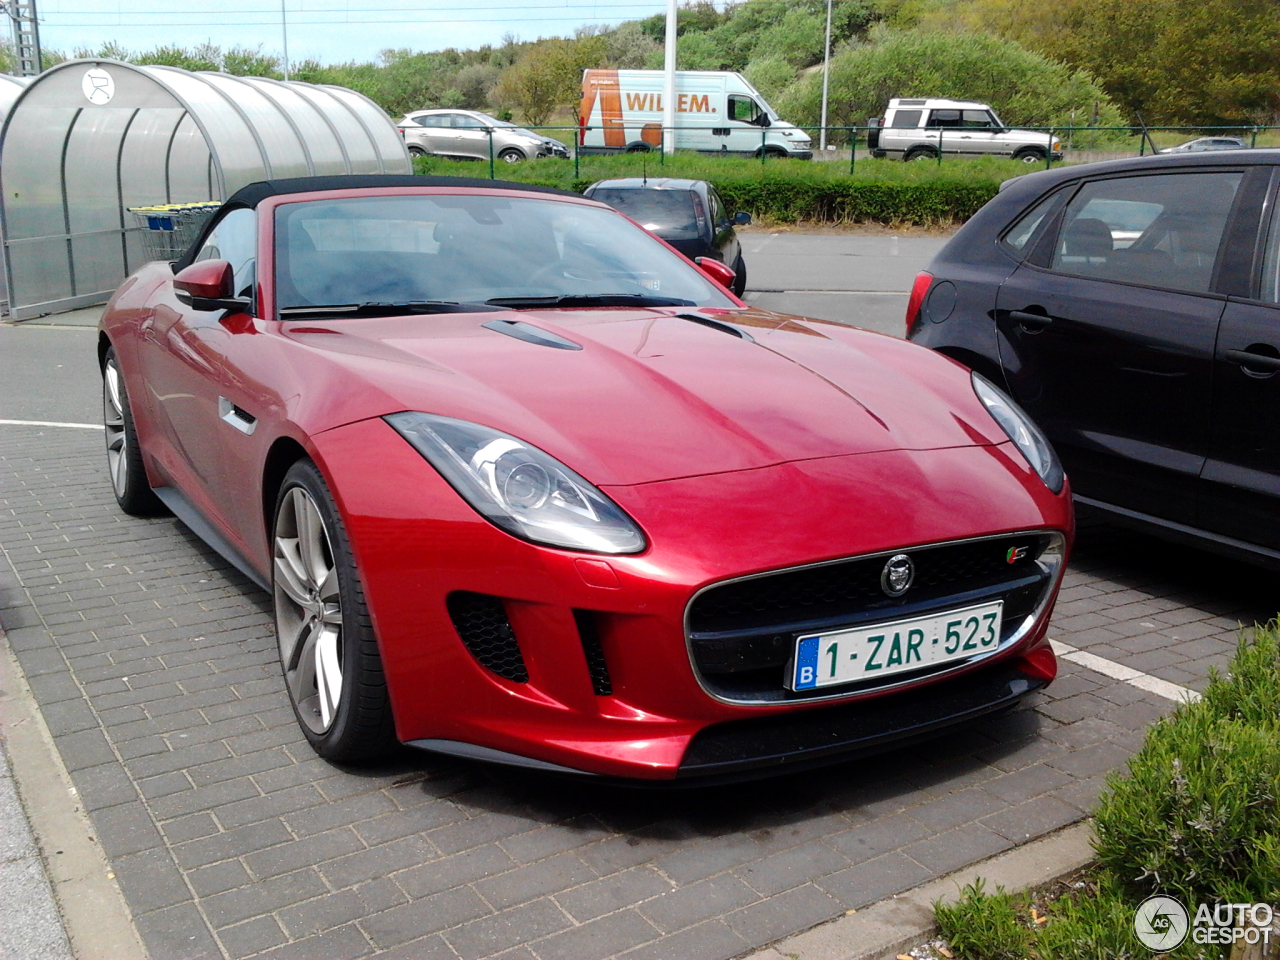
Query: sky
x=331 y=31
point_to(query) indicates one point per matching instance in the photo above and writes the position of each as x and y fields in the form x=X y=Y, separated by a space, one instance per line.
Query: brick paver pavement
x=154 y=667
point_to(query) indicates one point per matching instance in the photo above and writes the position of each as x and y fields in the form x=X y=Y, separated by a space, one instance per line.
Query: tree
x=549 y=76
x=1181 y=61
x=1024 y=87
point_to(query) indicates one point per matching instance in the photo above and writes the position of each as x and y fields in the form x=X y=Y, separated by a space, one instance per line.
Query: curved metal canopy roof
x=88 y=139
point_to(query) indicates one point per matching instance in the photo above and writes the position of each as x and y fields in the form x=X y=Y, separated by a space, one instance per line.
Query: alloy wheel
x=308 y=607
x=113 y=422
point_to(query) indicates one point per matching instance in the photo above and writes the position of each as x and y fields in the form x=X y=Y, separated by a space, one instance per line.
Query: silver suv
x=465 y=134
x=920 y=129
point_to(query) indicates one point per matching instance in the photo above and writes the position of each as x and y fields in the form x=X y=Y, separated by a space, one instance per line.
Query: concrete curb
x=93 y=909
x=886 y=928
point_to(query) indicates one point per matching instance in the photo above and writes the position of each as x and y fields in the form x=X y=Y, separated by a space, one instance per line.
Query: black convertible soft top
x=254 y=193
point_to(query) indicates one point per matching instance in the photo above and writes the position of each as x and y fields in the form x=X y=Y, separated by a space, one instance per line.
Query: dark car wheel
x=327 y=647
x=417 y=152
x=1031 y=156
x=124 y=456
x=511 y=155
x=740 y=276
x=920 y=153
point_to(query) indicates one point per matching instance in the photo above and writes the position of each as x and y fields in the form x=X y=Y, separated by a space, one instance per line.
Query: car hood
x=651 y=395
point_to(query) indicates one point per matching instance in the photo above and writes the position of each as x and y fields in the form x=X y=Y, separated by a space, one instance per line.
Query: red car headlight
x=519 y=488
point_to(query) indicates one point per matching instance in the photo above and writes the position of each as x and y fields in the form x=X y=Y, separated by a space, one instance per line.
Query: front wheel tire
x=740 y=276
x=124 y=456
x=328 y=651
x=511 y=156
x=1031 y=156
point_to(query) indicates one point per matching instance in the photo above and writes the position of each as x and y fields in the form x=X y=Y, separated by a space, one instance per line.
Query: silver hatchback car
x=466 y=134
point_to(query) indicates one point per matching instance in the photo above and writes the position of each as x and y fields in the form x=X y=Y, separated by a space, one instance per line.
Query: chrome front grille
x=741 y=634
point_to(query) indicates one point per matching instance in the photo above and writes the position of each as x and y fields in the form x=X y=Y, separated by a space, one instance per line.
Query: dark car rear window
x=668 y=213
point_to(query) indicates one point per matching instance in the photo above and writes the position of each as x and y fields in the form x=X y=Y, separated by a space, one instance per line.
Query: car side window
x=1270 y=291
x=905 y=119
x=235 y=239
x=1161 y=230
x=981 y=119
x=435 y=120
x=1018 y=238
x=744 y=109
x=944 y=118
x=718 y=216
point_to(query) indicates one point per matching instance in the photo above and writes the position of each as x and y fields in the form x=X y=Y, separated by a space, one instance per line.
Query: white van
x=716 y=112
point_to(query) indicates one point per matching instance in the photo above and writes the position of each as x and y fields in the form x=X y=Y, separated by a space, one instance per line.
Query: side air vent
x=589 y=633
x=531 y=334
x=715 y=324
x=481 y=622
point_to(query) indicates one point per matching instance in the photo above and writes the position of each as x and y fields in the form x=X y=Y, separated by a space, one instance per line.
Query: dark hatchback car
x=688 y=214
x=1133 y=309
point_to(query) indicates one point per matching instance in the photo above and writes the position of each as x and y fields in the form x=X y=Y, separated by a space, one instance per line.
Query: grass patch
x=1196 y=816
x=786 y=191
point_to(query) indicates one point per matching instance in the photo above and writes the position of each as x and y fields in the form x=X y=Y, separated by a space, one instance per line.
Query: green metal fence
x=850 y=144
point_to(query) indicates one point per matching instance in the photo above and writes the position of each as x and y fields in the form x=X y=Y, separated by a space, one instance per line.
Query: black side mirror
x=741 y=218
x=764 y=120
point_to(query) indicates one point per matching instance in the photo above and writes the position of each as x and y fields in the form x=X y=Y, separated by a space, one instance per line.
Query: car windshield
x=516 y=251
x=668 y=213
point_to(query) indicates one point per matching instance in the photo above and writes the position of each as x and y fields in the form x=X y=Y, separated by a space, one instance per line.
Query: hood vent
x=715 y=324
x=531 y=334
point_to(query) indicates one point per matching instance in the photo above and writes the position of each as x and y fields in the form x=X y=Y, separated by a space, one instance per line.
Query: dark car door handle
x=1032 y=321
x=1254 y=361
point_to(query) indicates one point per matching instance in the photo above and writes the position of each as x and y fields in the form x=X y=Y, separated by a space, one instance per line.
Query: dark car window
x=1017 y=239
x=235 y=239
x=906 y=119
x=1161 y=230
x=669 y=213
x=944 y=118
x=718 y=216
x=744 y=109
x=1271 y=262
x=978 y=118
x=470 y=249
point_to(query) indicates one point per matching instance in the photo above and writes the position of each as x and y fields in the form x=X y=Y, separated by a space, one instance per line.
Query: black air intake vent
x=589 y=632
x=481 y=622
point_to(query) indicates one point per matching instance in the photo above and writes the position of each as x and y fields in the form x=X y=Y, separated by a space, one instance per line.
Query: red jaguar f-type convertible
x=528 y=486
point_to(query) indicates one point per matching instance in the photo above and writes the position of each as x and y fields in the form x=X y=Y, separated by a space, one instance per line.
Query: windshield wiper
x=590 y=300
x=383 y=308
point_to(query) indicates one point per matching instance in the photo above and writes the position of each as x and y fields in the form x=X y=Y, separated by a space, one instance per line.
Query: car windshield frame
x=522 y=251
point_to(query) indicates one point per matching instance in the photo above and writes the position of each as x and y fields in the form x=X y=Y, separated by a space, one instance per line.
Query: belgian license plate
x=865 y=653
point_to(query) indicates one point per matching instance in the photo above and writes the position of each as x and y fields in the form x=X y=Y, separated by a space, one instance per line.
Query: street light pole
x=284 y=32
x=669 y=84
x=826 y=75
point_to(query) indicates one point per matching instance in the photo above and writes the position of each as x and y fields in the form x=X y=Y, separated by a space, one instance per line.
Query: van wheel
x=921 y=153
x=1030 y=156
x=638 y=147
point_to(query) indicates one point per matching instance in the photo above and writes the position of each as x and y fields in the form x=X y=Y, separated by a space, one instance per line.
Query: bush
x=984 y=926
x=788 y=191
x=1198 y=813
x=1024 y=87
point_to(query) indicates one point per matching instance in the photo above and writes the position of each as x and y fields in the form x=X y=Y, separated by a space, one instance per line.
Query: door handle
x=1256 y=362
x=1030 y=321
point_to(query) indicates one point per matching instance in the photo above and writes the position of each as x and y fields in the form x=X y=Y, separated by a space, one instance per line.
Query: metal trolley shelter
x=88 y=139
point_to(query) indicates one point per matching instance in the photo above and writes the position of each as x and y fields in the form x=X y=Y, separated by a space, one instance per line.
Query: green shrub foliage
x=1024 y=87
x=1198 y=813
x=787 y=191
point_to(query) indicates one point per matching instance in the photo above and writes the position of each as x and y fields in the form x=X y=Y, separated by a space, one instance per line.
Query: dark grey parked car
x=688 y=214
x=1132 y=308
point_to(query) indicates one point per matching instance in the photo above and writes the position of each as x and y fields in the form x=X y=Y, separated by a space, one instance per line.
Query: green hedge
x=788 y=191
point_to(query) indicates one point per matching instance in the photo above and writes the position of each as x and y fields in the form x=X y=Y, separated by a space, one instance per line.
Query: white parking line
x=1118 y=671
x=50 y=423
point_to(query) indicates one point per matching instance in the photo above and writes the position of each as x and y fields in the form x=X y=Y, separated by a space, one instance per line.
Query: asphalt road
x=154 y=666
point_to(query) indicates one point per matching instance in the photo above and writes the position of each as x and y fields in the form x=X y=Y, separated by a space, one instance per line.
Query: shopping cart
x=169 y=228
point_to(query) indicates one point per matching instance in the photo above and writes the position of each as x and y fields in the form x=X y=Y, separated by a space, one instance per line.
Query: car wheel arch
x=284 y=453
